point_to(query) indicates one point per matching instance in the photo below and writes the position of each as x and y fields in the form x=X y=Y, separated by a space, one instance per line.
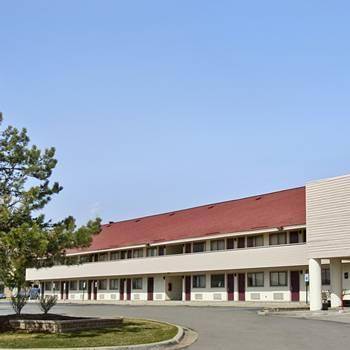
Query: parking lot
x=223 y=328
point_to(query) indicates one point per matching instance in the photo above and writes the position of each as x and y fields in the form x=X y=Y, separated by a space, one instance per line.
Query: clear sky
x=162 y=105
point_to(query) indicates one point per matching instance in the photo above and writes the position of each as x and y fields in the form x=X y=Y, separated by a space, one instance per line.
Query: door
x=230 y=286
x=89 y=289
x=187 y=288
x=67 y=290
x=62 y=290
x=128 y=289
x=295 y=285
x=241 y=286
x=121 y=288
x=95 y=289
x=150 y=288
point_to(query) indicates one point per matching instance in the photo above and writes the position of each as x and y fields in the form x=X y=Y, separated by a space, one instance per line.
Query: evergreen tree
x=27 y=238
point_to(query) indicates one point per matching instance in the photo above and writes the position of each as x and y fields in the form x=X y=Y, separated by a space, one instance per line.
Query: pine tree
x=27 y=238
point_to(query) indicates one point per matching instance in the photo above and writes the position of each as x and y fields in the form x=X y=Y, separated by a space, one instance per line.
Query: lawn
x=133 y=331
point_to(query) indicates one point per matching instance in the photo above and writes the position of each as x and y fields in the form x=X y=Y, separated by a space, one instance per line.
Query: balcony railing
x=236 y=259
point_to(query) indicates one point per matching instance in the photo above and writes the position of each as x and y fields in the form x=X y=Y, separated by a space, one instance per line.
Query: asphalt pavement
x=225 y=328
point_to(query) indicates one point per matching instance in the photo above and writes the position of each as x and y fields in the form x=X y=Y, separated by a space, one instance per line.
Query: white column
x=315 y=284
x=336 y=282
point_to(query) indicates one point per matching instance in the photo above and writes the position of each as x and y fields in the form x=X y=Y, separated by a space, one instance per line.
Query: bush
x=47 y=303
x=18 y=302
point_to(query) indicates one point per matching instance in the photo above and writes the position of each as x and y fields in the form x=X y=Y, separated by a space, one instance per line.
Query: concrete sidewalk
x=333 y=315
x=239 y=304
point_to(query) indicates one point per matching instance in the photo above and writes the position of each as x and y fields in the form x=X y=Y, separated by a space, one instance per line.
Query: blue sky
x=161 y=105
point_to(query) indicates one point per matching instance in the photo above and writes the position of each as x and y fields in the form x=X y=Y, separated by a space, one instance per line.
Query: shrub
x=18 y=302
x=47 y=303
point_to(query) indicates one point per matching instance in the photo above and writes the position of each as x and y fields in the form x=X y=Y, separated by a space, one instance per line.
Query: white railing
x=262 y=257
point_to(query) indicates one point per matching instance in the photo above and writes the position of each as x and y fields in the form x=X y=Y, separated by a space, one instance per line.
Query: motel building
x=288 y=246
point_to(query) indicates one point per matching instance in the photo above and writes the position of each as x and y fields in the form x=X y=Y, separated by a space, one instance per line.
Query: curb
x=151 y=346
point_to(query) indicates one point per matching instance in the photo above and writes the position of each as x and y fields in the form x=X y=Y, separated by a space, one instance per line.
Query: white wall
x=328 y=217
x=266 y=293
x=107 y=294
x=176 y=291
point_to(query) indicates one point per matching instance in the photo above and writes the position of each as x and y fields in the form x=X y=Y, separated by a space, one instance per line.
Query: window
x=73 y=285
x=103 y=257
x=278 y=238
x=241 y=242
x=82 y=285
x=102 y=284
x=198 y=281
x=152 y=251
x=255 y=279
x=255 y=241
x=326 y=277
x=218 y=244
x=115 y=256
x=72 y=260
x=278 y=279
x=137 y=283
x=198 y=247
x=114 y=284
x=230 y=243
x=123 y=254
x=137 y=253
x=48 y=286
x=86 y=258
x=217 y=281
x=294 y=237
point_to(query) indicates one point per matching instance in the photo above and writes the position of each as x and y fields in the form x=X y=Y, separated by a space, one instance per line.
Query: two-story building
x=261 y=248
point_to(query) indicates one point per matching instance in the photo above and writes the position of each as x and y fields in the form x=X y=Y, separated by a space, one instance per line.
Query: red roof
x=277 y=209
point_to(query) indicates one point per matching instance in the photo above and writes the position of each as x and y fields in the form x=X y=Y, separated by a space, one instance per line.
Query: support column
x=336 y=282
x=315 y=284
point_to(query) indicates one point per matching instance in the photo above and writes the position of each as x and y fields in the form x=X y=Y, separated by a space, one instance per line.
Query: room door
x=187 y=288
x=121 y=288
x=62 y=290
x=67 y=289
x=128 y=289
x=230 y=286
x=241 y=286
x=150 y=288
x=94 y=284
x=295 y=285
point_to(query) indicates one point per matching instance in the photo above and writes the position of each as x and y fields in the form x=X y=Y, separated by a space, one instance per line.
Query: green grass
x=132 y=331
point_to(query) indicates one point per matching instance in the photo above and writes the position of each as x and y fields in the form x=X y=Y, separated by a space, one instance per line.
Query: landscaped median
x=129 y=333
